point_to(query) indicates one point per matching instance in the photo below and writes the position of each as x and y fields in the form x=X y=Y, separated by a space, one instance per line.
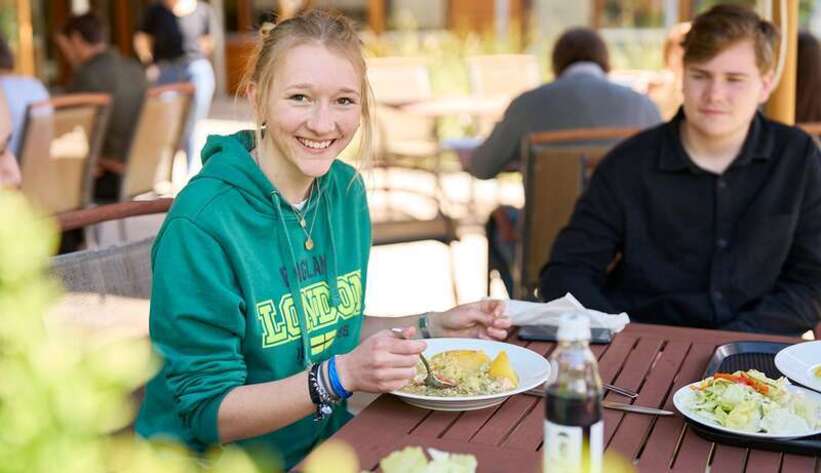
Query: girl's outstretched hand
x=483 y=319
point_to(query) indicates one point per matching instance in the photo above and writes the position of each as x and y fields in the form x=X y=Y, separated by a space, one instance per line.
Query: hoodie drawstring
x=296 y=289
x=333 y=271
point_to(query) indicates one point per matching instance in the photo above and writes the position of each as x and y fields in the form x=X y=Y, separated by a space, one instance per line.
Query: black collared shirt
x=737 y=251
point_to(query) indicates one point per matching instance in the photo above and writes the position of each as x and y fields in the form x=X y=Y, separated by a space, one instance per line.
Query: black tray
x=744 y=356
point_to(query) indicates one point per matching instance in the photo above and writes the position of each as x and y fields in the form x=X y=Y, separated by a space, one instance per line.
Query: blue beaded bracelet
x=335 y=383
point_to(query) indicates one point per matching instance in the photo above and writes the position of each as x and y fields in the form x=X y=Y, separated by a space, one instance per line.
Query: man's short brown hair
x=578 y=45
x=726 y=25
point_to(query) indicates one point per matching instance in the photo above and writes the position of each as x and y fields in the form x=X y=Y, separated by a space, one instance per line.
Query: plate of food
x=749 y=403
x=801 y=363
x=483 y=373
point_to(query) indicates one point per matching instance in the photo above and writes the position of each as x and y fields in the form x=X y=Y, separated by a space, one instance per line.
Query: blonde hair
x=333 y=31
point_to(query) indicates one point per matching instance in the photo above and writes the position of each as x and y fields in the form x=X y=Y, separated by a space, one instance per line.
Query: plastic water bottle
x=573 y=426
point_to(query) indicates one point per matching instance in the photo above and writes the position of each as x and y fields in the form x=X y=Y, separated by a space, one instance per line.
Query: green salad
x=749 y=401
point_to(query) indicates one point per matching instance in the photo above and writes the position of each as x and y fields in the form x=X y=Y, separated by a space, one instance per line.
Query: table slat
x=529 y=433
x=729 y=459
x=504 y=421
x=661 y=446
x=436 y=423
x=761 y=461
x=469 y=423
x=615 y=355
x=632 y=432
x=631 y=376
x=799 y=463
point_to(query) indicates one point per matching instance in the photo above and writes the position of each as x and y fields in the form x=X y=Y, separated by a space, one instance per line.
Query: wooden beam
x=685 y=10
x=244 y=14
x=376 y=15
x=781 y=105
x=25 y=39
x=123 y=29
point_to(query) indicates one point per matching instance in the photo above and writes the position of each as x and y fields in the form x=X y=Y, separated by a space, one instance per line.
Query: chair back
x=557 y=167
x=60 y=144
x=503 y=74
x=121 y=270
x=399 y=80
x=157 y=137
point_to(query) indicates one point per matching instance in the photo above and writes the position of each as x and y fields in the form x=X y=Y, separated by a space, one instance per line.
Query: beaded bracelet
x=335 y=383
x=424 y=325
x=319 y=396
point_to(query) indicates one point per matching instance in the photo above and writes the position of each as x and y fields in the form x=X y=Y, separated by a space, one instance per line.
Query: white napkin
x=549 y=313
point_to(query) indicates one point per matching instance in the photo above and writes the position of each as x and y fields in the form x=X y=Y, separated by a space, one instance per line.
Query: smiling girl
x=261 y=265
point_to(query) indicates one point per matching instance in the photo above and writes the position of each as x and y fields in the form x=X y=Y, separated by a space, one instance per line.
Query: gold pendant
x=309 y=244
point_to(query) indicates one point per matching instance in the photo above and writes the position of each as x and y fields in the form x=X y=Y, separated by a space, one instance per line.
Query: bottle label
x=567 y=449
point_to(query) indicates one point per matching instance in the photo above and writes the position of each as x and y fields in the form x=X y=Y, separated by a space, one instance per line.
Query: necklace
x=303 y=224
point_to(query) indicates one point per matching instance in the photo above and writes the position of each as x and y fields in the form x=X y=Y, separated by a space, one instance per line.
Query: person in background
x=260 y=268
x=20 y=91
x=712 y=219
x=100 y=69
x=174 y=42
x=808 y=86
x=666 y=89
x=9 y=169
x=580 y=97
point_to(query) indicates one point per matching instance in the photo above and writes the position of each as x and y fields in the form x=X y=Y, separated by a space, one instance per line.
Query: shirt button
x=722 y=243
x=722 y=184
x=717 y=295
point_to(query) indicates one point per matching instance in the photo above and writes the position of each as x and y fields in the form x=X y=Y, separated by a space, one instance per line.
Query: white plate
x=685 y=395
x=798 y=361
x=532 y=369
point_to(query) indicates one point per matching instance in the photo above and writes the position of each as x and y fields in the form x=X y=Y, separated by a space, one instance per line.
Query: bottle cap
x=573 y=327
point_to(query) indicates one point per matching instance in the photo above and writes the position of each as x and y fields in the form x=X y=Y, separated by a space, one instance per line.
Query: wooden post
x=781 y=105
x=124 y=34
x=25 y=39
x=685 y=10
x=376 y=15
x=244 y=13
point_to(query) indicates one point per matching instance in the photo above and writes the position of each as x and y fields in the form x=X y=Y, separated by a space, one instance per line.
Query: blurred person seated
x=580 y=97
x=97 y=68
x=666 y=89
x=808 y=85
x=9 y=170
x=20 y=91
x=712 y=219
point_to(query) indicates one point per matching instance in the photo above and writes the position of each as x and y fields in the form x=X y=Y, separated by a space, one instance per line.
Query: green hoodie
x=226 y=264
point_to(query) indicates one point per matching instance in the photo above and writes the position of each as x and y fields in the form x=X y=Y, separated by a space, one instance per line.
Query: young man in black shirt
x=712 y=219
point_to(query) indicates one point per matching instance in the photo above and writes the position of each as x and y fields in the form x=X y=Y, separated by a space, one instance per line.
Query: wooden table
x=653 y=360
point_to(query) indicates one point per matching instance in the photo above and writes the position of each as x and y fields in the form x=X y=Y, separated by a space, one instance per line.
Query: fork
x=431 y=380
x=616 y=389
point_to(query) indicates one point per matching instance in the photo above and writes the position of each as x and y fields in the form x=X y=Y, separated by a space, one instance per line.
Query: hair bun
x=266 y=29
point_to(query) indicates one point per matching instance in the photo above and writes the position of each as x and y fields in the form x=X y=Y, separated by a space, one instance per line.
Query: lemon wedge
x=501 y=369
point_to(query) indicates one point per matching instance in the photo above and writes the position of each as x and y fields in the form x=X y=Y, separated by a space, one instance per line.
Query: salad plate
x=783 y=411
x=801 y=363
x=531 y=368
